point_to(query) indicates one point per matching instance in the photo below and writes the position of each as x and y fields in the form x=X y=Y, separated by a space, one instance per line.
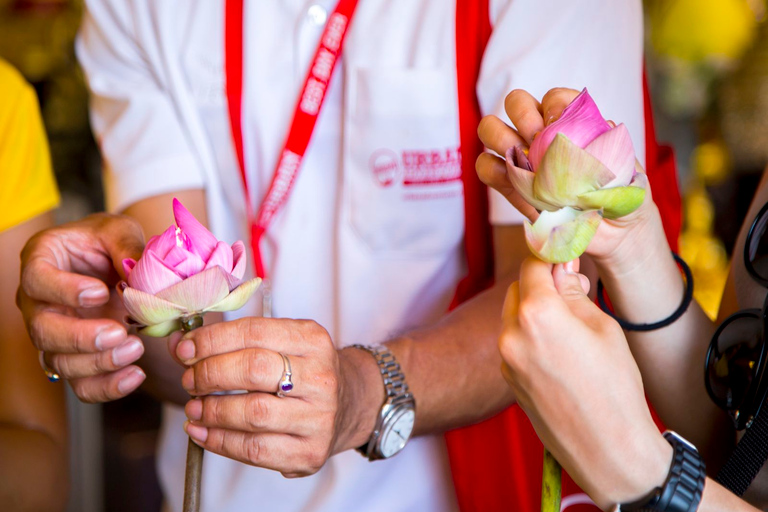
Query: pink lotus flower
x=182 y=273
x=578 y=170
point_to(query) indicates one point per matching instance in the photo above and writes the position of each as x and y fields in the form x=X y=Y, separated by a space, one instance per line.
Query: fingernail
x=188 y=380
x=568 y=267
x=550 y=120
x=186 y=350
x=196 y=432
x=93 y=296
x=110 y=337
x=127 y=352
x=131 y=381
x=194 y=409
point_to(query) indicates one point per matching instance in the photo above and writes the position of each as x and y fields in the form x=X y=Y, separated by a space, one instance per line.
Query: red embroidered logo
x=385 y=166
x=416 y=166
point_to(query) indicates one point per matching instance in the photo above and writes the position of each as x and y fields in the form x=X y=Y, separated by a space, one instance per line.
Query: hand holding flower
x=562 y=235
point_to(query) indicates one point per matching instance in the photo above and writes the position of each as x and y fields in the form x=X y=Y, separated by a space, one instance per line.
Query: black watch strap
x=683 y=487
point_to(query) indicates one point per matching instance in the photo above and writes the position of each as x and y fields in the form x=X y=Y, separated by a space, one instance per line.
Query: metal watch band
x=395 y=386
x=683 y=487
x=394 y=380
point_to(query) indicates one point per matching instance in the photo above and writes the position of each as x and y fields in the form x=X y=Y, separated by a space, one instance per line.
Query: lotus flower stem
x=194 y=473
x=551 y=484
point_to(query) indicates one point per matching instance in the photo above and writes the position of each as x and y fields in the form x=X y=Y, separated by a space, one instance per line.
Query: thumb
x=122 y=238
x=573 y=288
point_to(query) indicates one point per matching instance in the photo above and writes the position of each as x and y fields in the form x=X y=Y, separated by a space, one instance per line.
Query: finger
x=66 y=265
x=279 y=335
x=109 y=386
x=42 y=280
x=497 y=136
x=122 y=237
x=493 y=172
x=554 y=102
x=55 y=332
x=284 y=453
x=252 y=412
x=536 y=280
x=75 y=366
x=252 y=369
x=525 y=113
x=173 y=342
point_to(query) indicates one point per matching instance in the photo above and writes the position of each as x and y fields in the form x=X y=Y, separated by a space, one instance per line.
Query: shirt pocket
x=402 y=163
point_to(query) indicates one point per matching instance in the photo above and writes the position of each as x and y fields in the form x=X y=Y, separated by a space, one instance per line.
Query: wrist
x=639 y=246
x=683 y=485
x=646 y=470
x=361 y=397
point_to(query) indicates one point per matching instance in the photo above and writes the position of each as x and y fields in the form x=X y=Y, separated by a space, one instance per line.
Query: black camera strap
x=748 y=457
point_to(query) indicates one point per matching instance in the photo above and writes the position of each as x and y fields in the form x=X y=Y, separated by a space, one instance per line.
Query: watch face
x=397 y=431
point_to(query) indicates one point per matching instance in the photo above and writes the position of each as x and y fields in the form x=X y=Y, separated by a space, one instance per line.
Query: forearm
x=645 y=286
x=30 y=458
x=452 y=369
x=718 y=499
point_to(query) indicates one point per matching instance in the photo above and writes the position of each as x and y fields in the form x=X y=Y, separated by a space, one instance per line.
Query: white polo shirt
x=370 y=242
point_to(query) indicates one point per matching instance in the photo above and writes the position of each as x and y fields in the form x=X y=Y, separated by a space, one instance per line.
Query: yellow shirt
x=27 y=185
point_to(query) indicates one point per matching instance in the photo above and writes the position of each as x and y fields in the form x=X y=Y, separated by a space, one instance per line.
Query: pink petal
x=128 y=266
x=614 y=149
x=152 y=275
x=238 y=297
x=199 y=291
x=200 y=238
x=149 y=309
x=581 y=122
x=222 y=256
x=162 y=244
x=240 y=258
x=183 y=262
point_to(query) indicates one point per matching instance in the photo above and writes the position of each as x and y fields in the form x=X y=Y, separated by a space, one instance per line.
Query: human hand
x=67 y=275
x=294 y=434
x=615 y=240
x=573 y=374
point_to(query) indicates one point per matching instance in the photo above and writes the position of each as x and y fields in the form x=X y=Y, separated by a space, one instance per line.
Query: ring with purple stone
x=286 y=385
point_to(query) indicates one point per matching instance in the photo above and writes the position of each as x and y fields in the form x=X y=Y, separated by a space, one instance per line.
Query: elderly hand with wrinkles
x=67 y=274
x=294 y=433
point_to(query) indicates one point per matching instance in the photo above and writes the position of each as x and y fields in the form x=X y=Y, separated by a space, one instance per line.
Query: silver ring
x=285 y=385
x=52 y=375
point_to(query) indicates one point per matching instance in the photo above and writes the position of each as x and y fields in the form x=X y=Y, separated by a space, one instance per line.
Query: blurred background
x=707 y=63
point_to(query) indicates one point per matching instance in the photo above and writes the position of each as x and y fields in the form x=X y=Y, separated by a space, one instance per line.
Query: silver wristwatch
x=394 y=424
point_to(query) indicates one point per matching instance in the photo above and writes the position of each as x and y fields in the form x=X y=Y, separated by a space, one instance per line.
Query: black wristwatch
x=683 y=487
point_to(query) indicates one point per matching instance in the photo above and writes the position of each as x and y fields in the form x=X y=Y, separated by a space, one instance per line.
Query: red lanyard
x=304 y=117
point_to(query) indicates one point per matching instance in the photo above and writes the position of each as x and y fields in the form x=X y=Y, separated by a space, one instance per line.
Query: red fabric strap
x=305 y=116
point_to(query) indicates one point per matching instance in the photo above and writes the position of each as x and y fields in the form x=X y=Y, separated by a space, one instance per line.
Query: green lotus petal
x=238 y=297
x=161 y=330
x=616 y=202
x=522 y=180
x=149 y=309
x=561 y=236
x=566 y=172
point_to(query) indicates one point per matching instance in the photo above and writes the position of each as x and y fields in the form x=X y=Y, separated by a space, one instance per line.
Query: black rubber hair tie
x=629 y=326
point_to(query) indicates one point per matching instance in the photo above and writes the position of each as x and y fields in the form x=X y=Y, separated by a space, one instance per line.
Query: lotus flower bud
x=182 y=273
x=578 y=169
